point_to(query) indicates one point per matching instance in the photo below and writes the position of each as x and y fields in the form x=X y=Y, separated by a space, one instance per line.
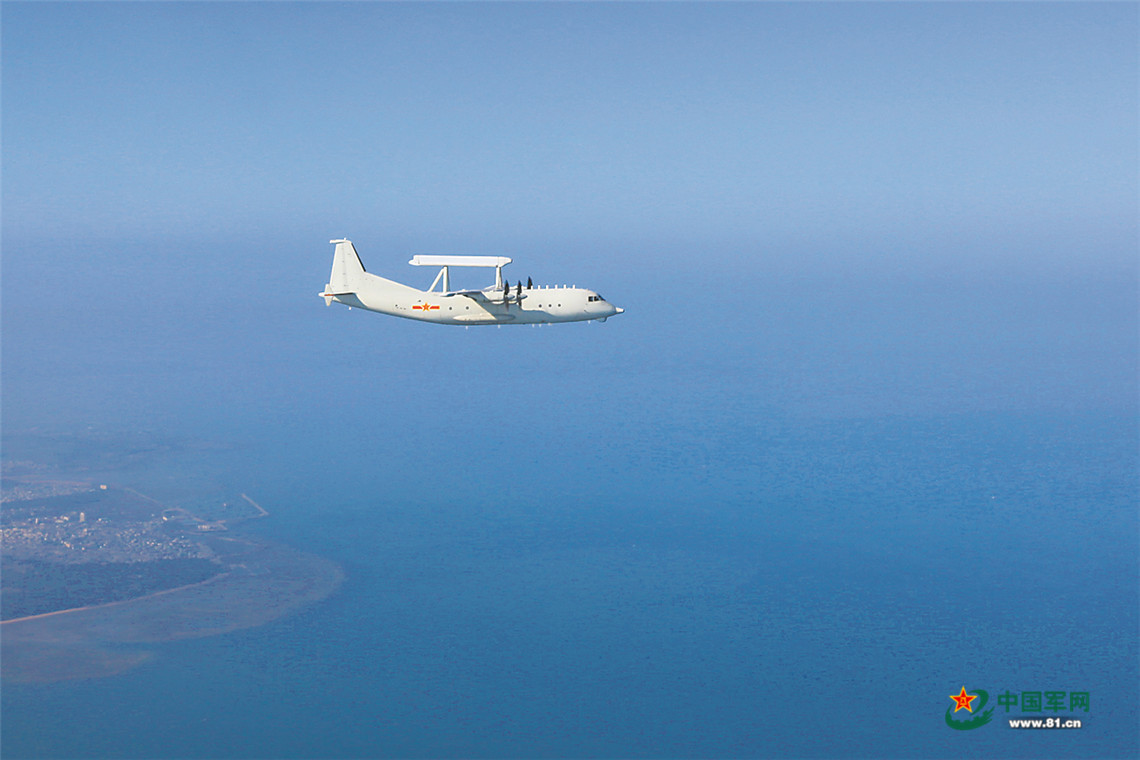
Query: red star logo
x=963 y=700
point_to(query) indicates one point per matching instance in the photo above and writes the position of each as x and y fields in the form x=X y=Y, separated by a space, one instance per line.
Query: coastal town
x=68 y=542
x=94 y=572
x=75 y=538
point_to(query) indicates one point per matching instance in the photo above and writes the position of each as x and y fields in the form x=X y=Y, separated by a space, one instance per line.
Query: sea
x=762 y=513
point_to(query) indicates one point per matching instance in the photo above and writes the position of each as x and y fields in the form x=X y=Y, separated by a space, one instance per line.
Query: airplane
x=498 y=304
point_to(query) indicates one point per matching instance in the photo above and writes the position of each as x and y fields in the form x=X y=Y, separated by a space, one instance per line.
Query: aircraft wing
x=475 y=295
x=478 y=295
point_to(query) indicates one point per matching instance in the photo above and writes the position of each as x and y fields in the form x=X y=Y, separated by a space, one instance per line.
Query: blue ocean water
x=677 y=535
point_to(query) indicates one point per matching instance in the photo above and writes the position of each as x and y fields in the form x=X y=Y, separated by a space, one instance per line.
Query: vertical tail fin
x=347 y=271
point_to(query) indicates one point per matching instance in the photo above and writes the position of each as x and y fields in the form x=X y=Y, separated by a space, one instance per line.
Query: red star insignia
x=963 y=700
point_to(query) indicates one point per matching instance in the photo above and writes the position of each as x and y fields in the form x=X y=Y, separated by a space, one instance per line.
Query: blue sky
x=729 y=125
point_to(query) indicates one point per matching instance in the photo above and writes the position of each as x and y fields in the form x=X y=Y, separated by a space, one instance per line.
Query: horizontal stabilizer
x=329 y=295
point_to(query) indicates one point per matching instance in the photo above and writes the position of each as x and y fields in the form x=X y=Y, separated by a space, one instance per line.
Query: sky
x=824 y=173
x=739 y=126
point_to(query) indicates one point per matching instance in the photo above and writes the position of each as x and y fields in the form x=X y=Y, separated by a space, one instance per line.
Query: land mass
x=89 y=567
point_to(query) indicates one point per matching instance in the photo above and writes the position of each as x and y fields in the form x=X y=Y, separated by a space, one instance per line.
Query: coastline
x=105 y=605
x=256 y=582
x=266 y=582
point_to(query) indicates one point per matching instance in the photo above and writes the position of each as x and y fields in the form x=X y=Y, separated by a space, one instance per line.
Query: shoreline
x=106 y=605
x=253 y=582
x=263 y=582
x=223 y=568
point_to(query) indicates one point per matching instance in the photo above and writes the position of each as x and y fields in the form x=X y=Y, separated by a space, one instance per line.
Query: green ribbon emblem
x=977 y=721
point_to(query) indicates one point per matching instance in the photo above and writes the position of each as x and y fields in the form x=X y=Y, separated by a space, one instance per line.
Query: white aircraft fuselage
x=499 y=304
